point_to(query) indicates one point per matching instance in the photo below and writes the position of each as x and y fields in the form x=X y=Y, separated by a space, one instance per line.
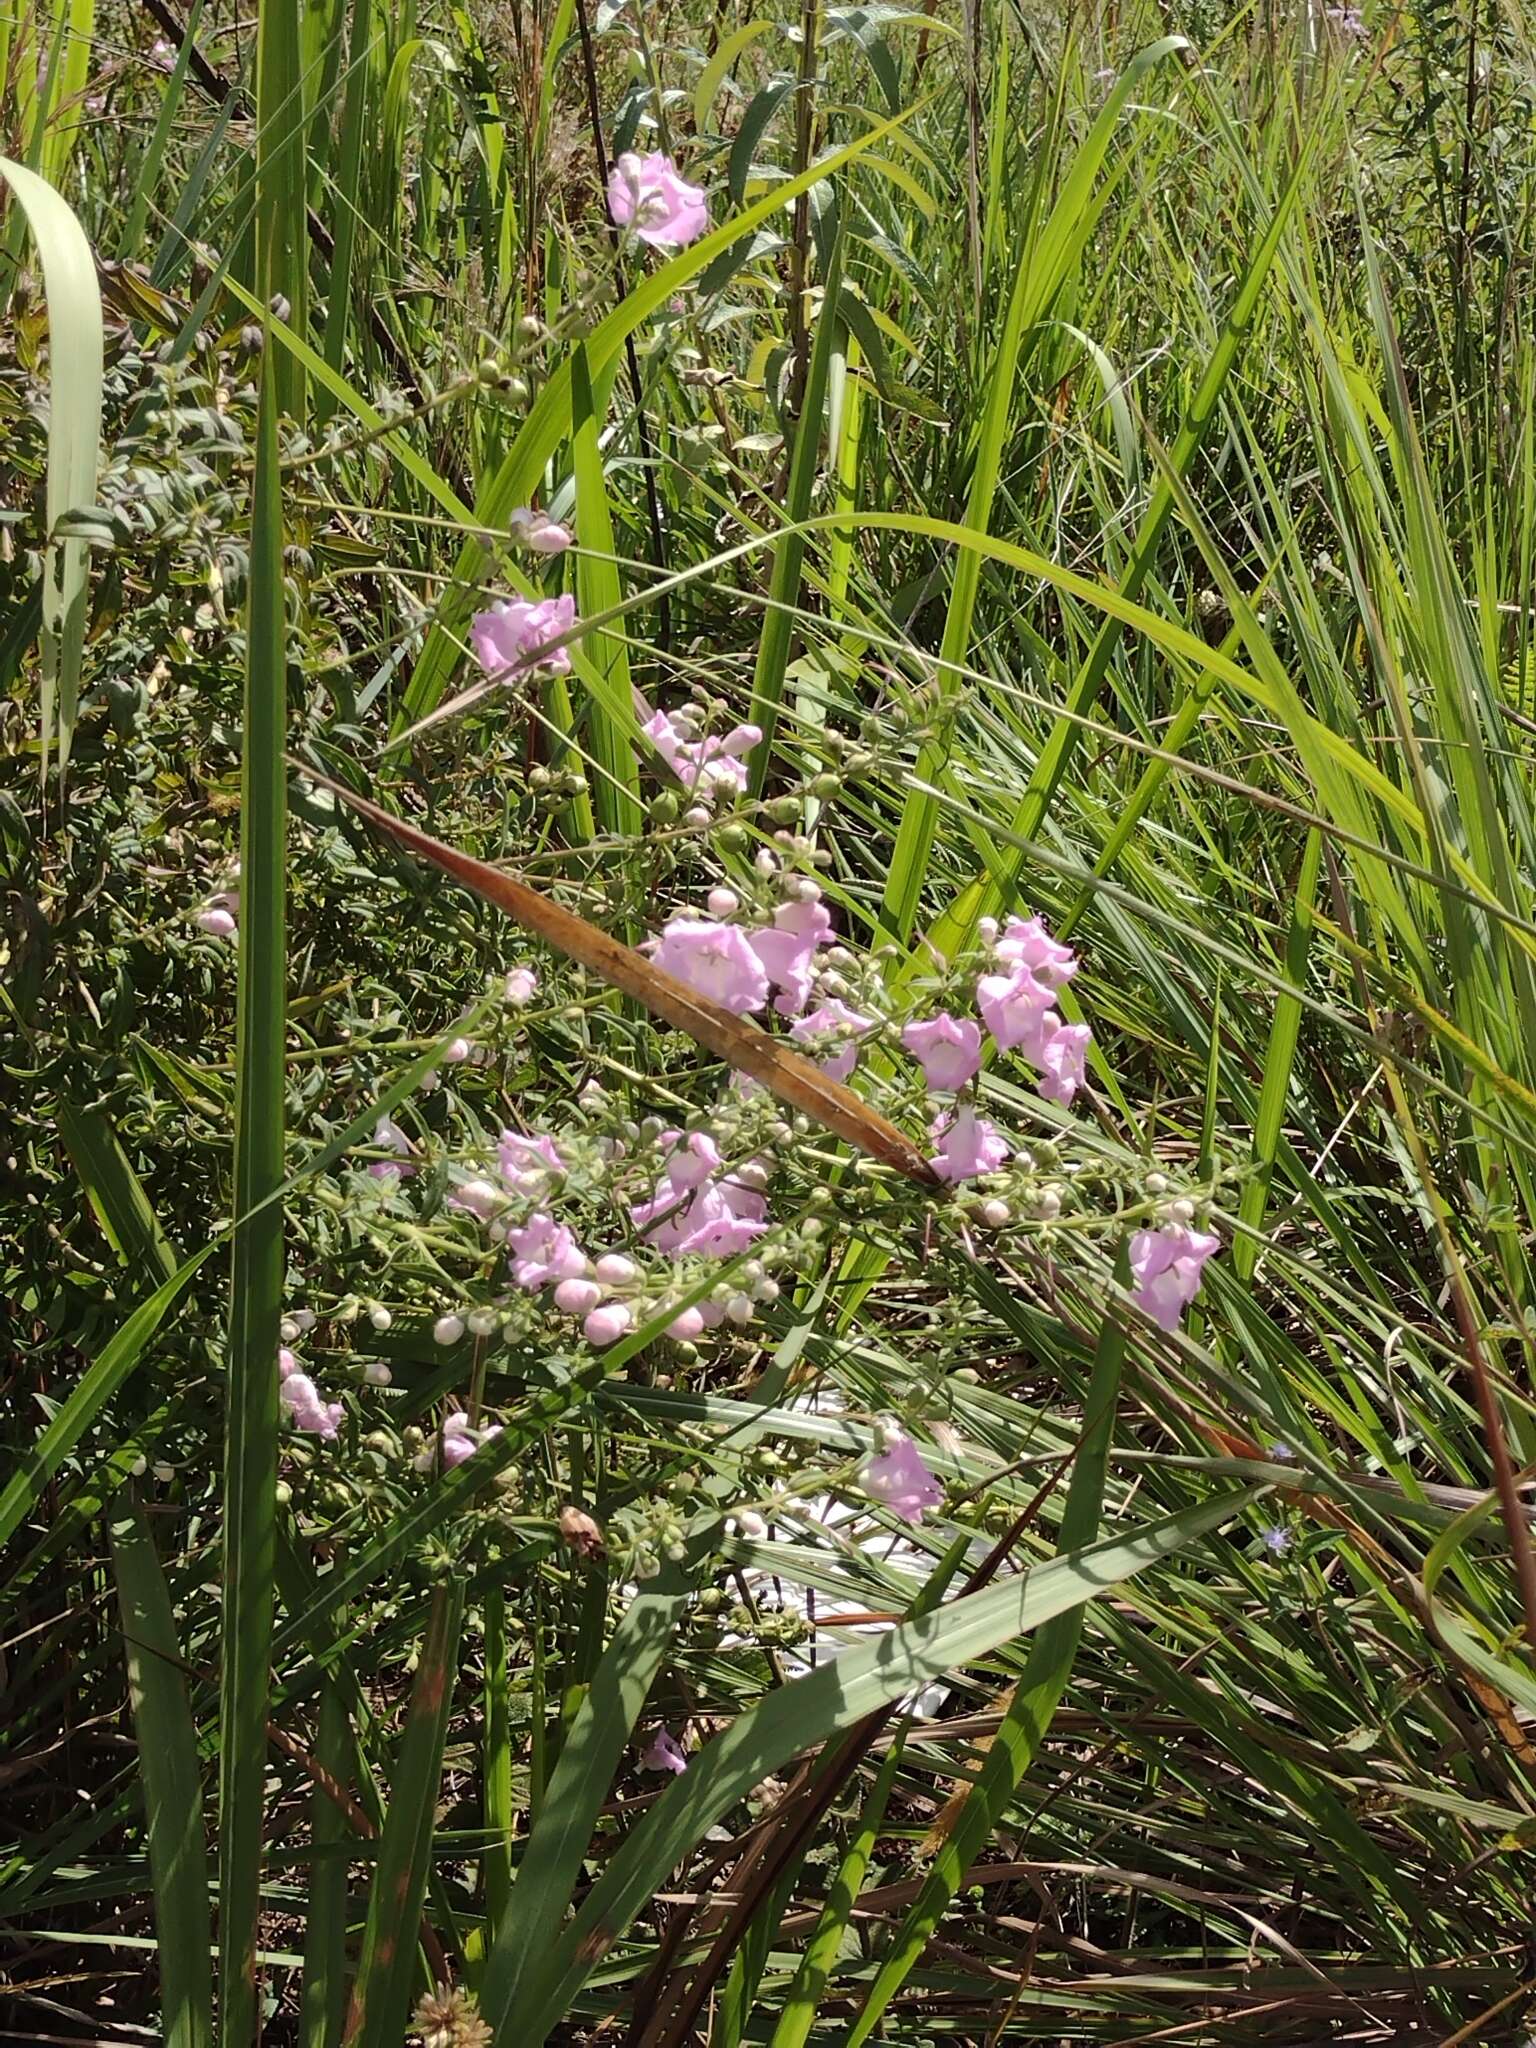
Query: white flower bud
x=447 y=1330
x=380 y=1316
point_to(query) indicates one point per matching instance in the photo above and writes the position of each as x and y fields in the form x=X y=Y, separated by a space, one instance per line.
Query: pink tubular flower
x=607 y=1324
x=787 y=949
x=646 y=193
x=690 y=1160
x=897 y=1477
x=719 y=1220
x=968 y=1144
x=1014 y=1006
x=1166 y=1265
x=511 y=637
x=528 y=1164
x=306 y=1410
x=1026 y=943
x=521 y=986
x=663 y=1753
x=1063 y=1061
x=948 y=1049
x=834 y=1023
x=538 y=531
x=716 y=959
x=544 y=1250
x=717 y=761
x=389 y=1137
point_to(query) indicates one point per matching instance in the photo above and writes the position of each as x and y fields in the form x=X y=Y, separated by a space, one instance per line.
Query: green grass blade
x=826 y=1944
x=386 y=1969
x=617 y=796
x=549 y=1869
x=116 y=1193
x=1279 y=1060
x=802 y=1714
x=74 y=441
x=325 y=1917
x=347 y=194
x=1039 y=1691
x=779 y=622
x=281 y=218
x=256 y=1280
x=173 y=1791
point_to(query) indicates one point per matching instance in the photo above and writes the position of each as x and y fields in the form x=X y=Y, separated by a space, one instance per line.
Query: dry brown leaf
x=796 y=1082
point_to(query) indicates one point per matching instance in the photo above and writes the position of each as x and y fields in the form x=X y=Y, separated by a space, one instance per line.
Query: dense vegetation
x=513 y=1530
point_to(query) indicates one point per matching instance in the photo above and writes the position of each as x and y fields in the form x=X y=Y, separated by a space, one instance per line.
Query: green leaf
x=256 y=1279
x=802 y=1714
x=168 y=1769
x=74 y=440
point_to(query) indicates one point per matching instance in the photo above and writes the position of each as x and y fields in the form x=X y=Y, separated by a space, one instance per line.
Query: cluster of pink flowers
x=647 y=195
x=713 y=764
x=738 y=966
x=301 y=1397
x=1166 y=1264
x=517 y=636
x=698 y=1208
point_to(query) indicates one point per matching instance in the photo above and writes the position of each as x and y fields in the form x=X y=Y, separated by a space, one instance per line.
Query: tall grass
x=1098 y=451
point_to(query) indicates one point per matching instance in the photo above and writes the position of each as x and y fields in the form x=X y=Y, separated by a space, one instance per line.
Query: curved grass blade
x=386 y=1970
x=74 y=439
x=786 y=1074
x=833 y=1697
x=256 y=1276
x=617 y=795
x=173 y=1791
x=1036 y=1697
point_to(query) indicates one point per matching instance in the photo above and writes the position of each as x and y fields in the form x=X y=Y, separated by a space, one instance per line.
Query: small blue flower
x=1281 y=1453
x=1277 y=1539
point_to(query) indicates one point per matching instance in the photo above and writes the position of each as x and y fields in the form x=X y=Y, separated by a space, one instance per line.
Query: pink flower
x=685 y=1325
x=220 y=915
x=715 y=959
x=787 y=949
x=1026 y=943
x=899 y=1480
x=1063 y=1061
x=1014 y=1006
x=287 y=1363
x=662 y=1753
x=968 y=1145
x=716 y=761
x=457 y=1442
x=1166 y=1265
x=647 y=194
x=538 y=531
x=522 y=984
x=607 y=1324
x=948 y=1048
x=692 y=1160
x=306 y=1410
x=511 y=637
x=833 y=1021
x=389 y=1137
x=544 y=1250
x=528 y=1164
x=577 y=1297
x=478 y=1198
x=721 y=1219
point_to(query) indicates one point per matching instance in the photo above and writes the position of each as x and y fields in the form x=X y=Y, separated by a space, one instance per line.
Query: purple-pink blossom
x=528 y=1164
x=1014 y=1006
x=455 y=1444
x=536 y=530
x=544 y=1250
x=647 y=194
x=717 y=761
x=1063 y=1061
x=715 y=959
x=787 y=951
x=967 y=1145
x=220 y=915
x=897 y=1477
x=605 y=1325
x=1025 y=942
x=389 y=1137
x=513 y=637
x=833 y=1025
x=947 y=1048
x=1166 y=1265
x=300 y=1396
x=719 y=1219
x=663 y=1753
x=690 y=1160
x=521 y=986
